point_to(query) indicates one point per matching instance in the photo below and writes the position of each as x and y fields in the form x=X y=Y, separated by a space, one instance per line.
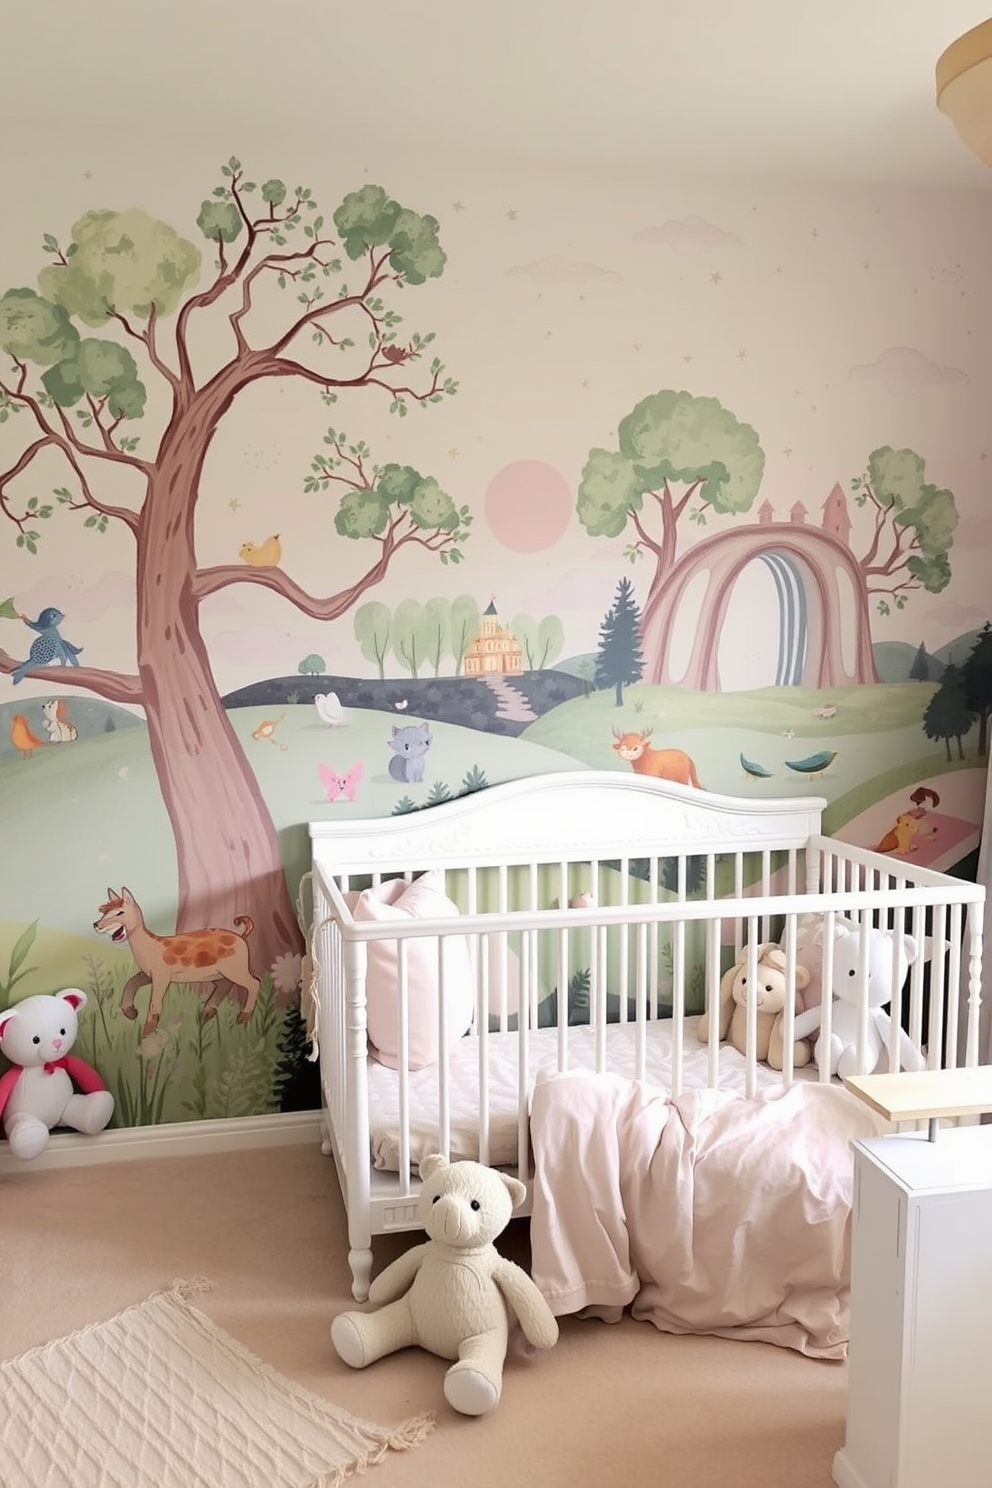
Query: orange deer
x=219 y=957
x=663 y=764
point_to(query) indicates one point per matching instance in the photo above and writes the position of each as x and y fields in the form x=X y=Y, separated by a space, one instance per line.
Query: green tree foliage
x=677 y=455
x=541 y=640
x=977 y=671
x=373 y=632
x=437 y=625
x=411 y=635
x=120 y=263
x=465 y=623
x=949 y=715
x=914 y=528
x=312 y=666
x=619 y=660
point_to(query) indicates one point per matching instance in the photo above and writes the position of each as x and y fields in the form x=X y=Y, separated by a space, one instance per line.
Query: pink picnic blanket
x=708 y=1212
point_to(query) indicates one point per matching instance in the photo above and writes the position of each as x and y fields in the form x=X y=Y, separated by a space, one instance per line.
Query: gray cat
x=411 y=743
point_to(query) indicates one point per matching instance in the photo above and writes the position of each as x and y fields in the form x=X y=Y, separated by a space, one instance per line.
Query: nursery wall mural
x=352 y=497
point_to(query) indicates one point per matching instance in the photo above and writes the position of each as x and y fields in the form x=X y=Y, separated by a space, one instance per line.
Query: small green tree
x=914 y=524
x=373 y=631
x=541 y=640
x=948 y=715
x=920 y=670
x=312 y=666
x=465 y=623
x=619 y=660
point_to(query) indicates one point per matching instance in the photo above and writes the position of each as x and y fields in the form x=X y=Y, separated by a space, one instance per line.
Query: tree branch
x=51 y=437
x=314 y=314
x=147 y=339
x=679 y=507
x=116 y=687
x=330 y=607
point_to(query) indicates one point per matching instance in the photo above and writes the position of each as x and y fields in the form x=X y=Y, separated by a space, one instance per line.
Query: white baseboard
x=171 y=1139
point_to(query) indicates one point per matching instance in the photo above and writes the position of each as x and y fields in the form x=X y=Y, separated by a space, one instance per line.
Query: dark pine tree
x=619 y=661
x=949 y=715
x=920 y=670
x=977 y=672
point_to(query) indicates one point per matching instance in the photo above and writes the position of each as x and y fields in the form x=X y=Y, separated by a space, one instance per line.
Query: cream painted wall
x=832 y=319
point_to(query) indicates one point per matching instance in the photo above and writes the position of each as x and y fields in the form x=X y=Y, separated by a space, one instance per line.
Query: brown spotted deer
x=219 y=957
x=664 y=764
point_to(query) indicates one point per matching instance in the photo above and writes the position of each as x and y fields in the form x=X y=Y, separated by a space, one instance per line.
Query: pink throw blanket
x=708 y=1212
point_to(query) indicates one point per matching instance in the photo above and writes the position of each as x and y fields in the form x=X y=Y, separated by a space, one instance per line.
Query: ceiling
x=840 y=89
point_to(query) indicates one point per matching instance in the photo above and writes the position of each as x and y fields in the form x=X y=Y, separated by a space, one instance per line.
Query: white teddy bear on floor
x=451 y=1294
x=47 y=1085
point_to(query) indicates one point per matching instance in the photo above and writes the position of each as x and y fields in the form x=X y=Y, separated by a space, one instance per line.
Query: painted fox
x=663 y=764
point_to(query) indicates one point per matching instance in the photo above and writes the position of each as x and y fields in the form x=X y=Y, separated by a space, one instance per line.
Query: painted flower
x=286 y=973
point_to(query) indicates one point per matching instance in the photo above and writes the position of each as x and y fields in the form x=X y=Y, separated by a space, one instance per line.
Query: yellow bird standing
x=262 y=555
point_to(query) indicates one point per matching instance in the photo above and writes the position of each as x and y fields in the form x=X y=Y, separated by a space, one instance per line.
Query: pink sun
x=528 y=505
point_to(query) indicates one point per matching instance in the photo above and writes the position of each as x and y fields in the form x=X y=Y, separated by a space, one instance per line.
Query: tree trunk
x=227 y=848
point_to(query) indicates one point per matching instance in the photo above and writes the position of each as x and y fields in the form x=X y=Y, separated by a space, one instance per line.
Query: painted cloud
x=689 y=235
x=559 y=270
x=904 y=369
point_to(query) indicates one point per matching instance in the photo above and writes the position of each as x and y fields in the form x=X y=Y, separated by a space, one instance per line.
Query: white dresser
x=920 y=1369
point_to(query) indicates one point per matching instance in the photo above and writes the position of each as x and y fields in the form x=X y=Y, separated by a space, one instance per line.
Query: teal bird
x=752 y=768
x=813 y=764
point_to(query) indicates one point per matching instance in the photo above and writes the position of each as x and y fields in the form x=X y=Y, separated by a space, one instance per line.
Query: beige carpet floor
x=609 y=1404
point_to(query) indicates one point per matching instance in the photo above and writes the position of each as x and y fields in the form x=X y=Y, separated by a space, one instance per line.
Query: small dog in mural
x=219 y=957
x=410 y=744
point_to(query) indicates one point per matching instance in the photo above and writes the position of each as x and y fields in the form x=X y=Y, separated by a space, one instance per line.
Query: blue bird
x=49 y=647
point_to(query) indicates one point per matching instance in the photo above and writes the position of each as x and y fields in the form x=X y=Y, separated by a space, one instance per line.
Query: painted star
x=458 y=206
x=815 y=233
x=453 y=453
x=234 y=503
x=716 y=278
x=787 y=452
x=511 y=215
x=742 y=356
x=983 y=455
x=637 y=345
x=87 y=175
x=687 y=357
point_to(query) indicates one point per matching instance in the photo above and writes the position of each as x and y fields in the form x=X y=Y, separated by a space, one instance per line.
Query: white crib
x=671 y=882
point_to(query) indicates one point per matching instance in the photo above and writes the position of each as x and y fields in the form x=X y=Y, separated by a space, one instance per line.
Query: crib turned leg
x=360 y=1262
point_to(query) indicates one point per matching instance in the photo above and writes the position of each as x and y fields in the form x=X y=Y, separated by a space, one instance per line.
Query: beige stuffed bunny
x=452 y=1294
x=770 y=997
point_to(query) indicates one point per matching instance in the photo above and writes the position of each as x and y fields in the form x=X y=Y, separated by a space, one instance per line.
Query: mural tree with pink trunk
x=682 y=459
x=276 y=306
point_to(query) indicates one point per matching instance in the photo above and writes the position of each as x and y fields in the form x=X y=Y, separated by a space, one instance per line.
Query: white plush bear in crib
x=842 y=1057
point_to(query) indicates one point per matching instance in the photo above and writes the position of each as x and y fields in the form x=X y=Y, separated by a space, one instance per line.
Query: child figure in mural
x=411 y=744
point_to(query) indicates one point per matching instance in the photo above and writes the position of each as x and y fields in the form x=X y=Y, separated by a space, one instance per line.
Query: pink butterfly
x=341 y=785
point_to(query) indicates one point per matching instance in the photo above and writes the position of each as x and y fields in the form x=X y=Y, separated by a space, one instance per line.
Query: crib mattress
x=503 y=1069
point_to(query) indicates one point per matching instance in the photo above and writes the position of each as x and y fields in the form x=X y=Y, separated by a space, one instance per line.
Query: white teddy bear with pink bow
x=47 y=1086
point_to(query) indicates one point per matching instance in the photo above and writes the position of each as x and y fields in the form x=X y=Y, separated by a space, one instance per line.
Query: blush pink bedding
x=705 y=1212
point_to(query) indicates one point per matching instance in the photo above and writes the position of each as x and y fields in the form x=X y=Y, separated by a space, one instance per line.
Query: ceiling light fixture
x=964 y=88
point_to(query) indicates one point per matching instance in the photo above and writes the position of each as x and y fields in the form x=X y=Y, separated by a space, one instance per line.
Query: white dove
x=328 y=705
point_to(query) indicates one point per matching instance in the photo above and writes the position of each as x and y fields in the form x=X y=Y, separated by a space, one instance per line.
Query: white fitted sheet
x=503 y=1050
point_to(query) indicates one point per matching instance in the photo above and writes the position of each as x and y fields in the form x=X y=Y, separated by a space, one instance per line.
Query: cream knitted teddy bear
x=452 y=1294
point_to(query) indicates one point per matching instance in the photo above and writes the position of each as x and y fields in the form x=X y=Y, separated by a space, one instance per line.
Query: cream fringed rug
x=160 y=1397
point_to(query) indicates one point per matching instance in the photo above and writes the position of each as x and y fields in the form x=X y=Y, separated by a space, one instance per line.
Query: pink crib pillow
x=420 y=900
